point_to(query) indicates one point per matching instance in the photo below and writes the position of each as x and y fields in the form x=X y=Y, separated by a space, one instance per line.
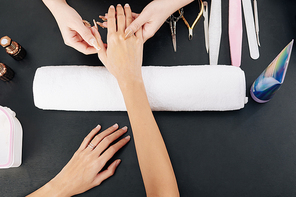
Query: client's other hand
x=84 y=170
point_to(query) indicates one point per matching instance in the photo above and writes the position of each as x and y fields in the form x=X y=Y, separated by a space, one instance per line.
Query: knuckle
x=135 y=27
x=112 y=149
x=98 y=138
x=107 y=140
x=67 y=42
x=150 y=34
x=87 y=138
x=111 y=172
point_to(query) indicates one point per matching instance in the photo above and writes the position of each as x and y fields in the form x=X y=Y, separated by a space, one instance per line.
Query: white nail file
x=206 y=24
x=215 y=31
x=250 y=26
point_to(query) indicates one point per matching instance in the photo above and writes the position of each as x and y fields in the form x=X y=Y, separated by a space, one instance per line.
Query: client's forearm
x=157 y=171
x=50 y=189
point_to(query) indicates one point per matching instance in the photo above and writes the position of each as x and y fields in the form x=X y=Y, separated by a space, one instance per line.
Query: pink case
x=11 y=134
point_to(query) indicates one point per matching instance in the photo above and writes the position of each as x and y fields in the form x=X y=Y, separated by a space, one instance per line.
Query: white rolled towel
x=175 y=88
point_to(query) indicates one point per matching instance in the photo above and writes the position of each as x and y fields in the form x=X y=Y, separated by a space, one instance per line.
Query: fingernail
x=119 y=5
x=103 y=18
x=112 y=6
x=128 y=137
x=95 y=44
x=101 y=25
x=124 y=128
x=117 y=162
x=95 y=24
x=128 y=33
x=115 y=125
x=126 y=5
x=98 y=126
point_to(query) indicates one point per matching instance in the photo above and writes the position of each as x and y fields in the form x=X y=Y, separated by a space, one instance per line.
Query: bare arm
x=157 y=171
x=123 y=58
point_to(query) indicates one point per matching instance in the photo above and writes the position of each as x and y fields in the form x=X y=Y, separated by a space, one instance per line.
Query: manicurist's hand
x=153 y=16
x=84 y=170
x=123 y=58
x=73 y=30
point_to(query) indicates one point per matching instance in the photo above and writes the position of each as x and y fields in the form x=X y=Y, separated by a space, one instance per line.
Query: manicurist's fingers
x=111 y=20
x=120 y=19
x=102 y=52
x=139 y=34
x=86 y=34
x=128 y=15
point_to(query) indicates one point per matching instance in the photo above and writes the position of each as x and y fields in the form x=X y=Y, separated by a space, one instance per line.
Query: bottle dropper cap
x=5 y=41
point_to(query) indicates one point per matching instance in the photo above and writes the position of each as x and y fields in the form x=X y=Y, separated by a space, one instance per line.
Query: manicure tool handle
x=235 y=32
x=215 y=31
x=250 y=26
x=206 y=24
x=174 y=35
x=256 y=21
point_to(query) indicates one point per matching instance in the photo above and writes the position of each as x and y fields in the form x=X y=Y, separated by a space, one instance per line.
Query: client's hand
x=123 y=58
x=84 y=170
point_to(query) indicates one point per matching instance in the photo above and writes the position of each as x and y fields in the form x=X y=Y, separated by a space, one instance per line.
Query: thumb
x=87 y=36
x=135 y=26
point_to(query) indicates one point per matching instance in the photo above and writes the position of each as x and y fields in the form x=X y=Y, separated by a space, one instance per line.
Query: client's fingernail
x=101 y=25
x=103 y=18
x=119 y=5
x=128 y=33
x=112 y=6
x=117 y=162
x=124 y=128
x=98 y=126
x=126 y=5
x=128 y=137
x=115 y=125
x=95 y=44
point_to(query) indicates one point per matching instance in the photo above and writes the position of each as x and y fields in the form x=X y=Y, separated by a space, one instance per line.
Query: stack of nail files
x=235 y=30
x=176 y=88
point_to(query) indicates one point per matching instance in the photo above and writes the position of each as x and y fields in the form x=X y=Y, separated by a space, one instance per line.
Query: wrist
x=130 y=83
x=173 y=6
x=53 y=5
x=57 y=189
x=50 y=189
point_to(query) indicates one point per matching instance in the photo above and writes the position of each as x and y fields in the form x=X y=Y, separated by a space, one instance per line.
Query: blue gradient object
x=271 y=79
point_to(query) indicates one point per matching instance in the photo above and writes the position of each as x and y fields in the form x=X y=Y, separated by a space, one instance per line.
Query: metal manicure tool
x=172 y=20
x=206 y=24
x=190 y=28
x=256 y=21
x=250 y=26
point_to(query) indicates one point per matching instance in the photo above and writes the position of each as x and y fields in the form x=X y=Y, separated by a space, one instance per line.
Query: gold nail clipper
x=190 y=28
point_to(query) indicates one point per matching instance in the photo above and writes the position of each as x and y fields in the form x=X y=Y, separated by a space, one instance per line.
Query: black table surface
x=249 y=152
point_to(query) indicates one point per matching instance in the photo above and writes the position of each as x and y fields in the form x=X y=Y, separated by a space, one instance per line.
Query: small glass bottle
x=6 y=73
x=13 y=48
